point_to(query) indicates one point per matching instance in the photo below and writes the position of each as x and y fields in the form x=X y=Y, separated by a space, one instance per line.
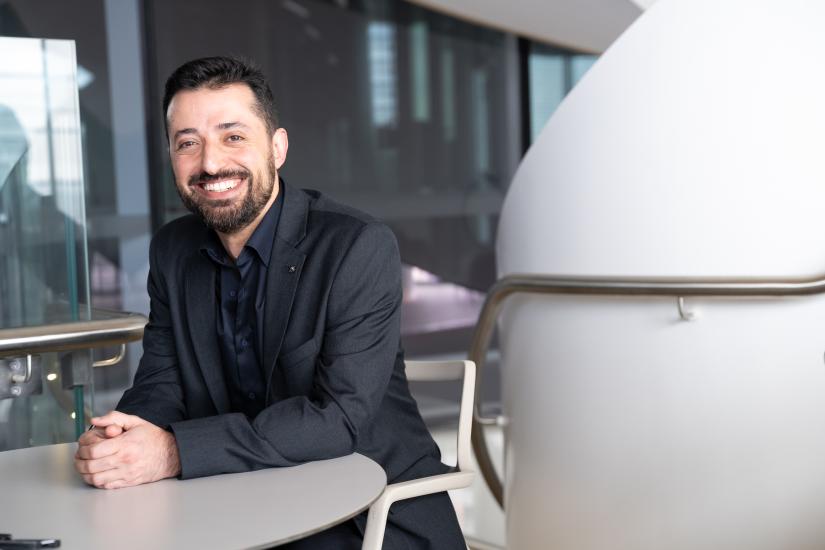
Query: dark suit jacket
x=330 y=346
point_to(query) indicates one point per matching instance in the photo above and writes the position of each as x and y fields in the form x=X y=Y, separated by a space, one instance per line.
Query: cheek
x=183 y=169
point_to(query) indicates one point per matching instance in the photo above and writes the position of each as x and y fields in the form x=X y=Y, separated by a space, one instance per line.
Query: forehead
x=207 y=107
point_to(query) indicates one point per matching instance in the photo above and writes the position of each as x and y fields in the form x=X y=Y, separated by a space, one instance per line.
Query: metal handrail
x=112 y=331
x=536 y=284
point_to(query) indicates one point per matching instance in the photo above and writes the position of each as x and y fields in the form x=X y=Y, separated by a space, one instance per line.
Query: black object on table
x=9 y=543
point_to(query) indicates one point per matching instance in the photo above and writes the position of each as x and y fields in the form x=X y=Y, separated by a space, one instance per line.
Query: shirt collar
x=263 y=237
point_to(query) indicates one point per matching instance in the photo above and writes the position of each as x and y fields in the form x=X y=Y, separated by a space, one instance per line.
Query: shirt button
x=243 y=343
x=252 y=395
x=232 y=293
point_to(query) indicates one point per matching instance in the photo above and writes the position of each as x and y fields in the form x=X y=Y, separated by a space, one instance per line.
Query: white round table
x=43 y=497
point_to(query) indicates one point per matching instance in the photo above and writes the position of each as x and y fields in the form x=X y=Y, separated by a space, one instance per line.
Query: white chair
x=461 y=476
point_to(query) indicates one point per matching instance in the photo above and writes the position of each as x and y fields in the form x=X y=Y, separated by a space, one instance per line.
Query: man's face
x=225 y=162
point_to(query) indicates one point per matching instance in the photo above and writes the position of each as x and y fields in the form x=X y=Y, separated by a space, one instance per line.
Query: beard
x=223 y=215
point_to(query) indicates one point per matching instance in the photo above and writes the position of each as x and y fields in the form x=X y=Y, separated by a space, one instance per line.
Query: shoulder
x=330 y=219
x=326 y=210
x=178 y=238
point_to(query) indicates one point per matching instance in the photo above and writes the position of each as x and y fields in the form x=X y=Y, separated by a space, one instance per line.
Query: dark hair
x=219 y=72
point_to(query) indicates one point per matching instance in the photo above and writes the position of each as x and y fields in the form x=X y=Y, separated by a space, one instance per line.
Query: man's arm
x=130 y=449
x=351 y=377
x=156 y=393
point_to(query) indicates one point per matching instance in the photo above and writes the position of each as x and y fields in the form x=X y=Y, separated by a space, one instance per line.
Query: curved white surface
x=42 y=497
x=692 y=148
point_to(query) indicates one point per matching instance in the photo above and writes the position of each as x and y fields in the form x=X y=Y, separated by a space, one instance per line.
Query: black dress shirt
x=241 y=293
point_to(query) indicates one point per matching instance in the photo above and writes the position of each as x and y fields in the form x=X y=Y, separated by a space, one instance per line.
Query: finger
x=101 y=449
x=101 y=479
x=112 y=417
x=117 y=418
x=119 y=484
x=95 y=466
x=91 y=436
x=112 y=430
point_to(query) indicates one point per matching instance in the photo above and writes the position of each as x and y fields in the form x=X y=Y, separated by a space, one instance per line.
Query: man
x=273 y=336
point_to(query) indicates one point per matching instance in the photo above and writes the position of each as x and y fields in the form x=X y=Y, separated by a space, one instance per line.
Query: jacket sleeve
x=352 y=373
x=156 y=393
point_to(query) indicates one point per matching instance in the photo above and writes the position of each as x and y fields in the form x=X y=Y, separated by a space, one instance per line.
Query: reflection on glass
x=548 y=86
x=448 y=120
x=42 y=213
x=552 y=72
x=381 y=38
x=419 y=65
x=390 y=108
x=579 y=65
x=43 y=274
x=433 y=305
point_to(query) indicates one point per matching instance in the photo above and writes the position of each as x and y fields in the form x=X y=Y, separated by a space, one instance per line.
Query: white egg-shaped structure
x=694 y=148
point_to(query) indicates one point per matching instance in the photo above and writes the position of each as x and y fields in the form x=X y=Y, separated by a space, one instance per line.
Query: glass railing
x=44 y=280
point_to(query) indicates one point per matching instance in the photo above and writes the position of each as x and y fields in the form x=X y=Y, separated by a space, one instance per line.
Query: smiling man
x=273 y=335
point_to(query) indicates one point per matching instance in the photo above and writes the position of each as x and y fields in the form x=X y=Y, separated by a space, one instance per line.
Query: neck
x=233 y=243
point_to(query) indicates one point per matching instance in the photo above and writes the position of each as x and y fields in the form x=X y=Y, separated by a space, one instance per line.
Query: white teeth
x=220 y=185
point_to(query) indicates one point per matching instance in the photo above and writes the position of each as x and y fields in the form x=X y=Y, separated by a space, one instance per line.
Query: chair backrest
x=433 y=371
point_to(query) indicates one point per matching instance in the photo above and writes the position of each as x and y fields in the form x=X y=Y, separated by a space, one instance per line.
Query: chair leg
x=376 y=524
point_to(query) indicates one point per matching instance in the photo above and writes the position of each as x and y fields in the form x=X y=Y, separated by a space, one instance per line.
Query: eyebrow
x=185 y=131
x=228 y=125
x=221 y=126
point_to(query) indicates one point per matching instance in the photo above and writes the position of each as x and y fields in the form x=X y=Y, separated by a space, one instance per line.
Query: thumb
x=112 y=430
x=116 y=418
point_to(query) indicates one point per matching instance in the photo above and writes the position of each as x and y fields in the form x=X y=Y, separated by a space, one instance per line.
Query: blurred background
x=414 y=116
x=415 y=112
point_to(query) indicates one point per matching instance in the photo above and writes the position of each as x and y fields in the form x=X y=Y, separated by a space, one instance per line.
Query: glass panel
x=552 y=74
x=43 y=274
x=390 y=108
x=43 y=230
x=109 y=43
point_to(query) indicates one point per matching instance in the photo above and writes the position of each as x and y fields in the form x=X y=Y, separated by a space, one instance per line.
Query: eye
x=185 y=144
x=235 y=138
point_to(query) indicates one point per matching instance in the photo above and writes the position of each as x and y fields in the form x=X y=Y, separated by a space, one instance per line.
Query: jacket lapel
x=283 y=276
x=201 y=314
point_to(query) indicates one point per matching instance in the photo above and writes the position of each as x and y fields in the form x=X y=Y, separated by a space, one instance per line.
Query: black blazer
x=330 y=344
x=333 y=362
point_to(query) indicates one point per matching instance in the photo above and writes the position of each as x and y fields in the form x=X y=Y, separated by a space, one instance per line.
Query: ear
x=280 y=144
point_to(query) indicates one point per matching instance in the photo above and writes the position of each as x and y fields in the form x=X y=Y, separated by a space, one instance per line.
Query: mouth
x=219 y=189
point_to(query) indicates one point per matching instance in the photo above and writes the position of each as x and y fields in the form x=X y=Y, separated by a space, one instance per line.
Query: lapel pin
x=292 y=269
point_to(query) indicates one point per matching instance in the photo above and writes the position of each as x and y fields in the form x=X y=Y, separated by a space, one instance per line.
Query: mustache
x=206 y=177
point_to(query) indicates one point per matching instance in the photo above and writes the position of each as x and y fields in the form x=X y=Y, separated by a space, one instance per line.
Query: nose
x=212 y=158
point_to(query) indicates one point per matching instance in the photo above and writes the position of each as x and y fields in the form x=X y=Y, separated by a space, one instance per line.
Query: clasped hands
x=123 y=450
